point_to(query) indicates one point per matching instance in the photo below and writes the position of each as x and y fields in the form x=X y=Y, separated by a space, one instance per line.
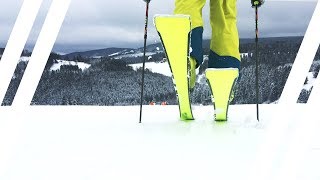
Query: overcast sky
x=92 y=24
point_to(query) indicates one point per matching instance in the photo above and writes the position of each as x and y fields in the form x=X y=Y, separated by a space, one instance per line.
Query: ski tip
x=186 y=118
x=220 y=119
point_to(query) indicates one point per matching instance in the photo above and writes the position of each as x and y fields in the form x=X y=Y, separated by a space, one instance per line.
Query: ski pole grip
x=257 y=3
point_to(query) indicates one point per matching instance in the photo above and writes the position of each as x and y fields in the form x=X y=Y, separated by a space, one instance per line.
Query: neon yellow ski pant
x=225 y=38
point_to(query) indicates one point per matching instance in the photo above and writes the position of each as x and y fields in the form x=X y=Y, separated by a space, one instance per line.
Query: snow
x=56 y=66
x=24 y=59
x=96 y=57
x=138 y=54
x=310 y=81
x=242 y=55
x=81 y=65
x=201 y=78
x=85 y=142
x=114 y=54
x=161 y=68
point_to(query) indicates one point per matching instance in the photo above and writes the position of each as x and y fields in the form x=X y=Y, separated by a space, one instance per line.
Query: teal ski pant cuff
x=217 y=61
x=196 y=45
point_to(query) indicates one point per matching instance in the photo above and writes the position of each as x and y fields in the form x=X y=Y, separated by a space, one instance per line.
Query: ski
x=221 y=82
x=174 y=32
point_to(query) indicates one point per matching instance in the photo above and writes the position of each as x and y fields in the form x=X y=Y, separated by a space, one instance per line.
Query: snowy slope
x=116 y=53
x=156 y=67
x=161 y=68
x=134 y=54
x=60 y=62
x=81 y=65
x=99 y=143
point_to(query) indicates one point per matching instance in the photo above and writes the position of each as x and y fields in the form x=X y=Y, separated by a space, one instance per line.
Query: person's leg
x=194 y=9
x=225 y=39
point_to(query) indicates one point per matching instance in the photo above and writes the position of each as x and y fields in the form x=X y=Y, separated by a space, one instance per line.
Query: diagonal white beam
x=41 y=52
x=315 y=93
x=275 y=135
x=299 y=145
x=16 y=42
x=314 y=97
x=303 y=61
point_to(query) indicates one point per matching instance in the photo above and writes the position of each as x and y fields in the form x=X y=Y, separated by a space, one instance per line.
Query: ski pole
x=257 y=63
x=144 y=55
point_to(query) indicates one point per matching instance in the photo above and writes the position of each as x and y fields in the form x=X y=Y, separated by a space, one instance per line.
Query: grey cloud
x=106 y=23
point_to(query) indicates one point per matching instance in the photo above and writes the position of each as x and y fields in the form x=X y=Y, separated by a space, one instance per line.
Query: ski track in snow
x=87 y=142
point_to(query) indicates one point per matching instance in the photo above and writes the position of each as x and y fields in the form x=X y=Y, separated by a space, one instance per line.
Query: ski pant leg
x=194 y=9
x=225 y=39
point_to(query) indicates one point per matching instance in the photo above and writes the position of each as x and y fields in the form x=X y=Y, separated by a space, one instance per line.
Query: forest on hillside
x=113 y=82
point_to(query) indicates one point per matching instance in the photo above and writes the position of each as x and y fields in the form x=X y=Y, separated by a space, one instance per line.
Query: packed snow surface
x=98 y=143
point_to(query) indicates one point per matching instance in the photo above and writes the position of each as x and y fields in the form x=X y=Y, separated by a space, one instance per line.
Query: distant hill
x=206 y=42
x=97 y=53
x=111 y=81
x=24 y=52
x=132 y=56
x=114 y=53
x=119 y=53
